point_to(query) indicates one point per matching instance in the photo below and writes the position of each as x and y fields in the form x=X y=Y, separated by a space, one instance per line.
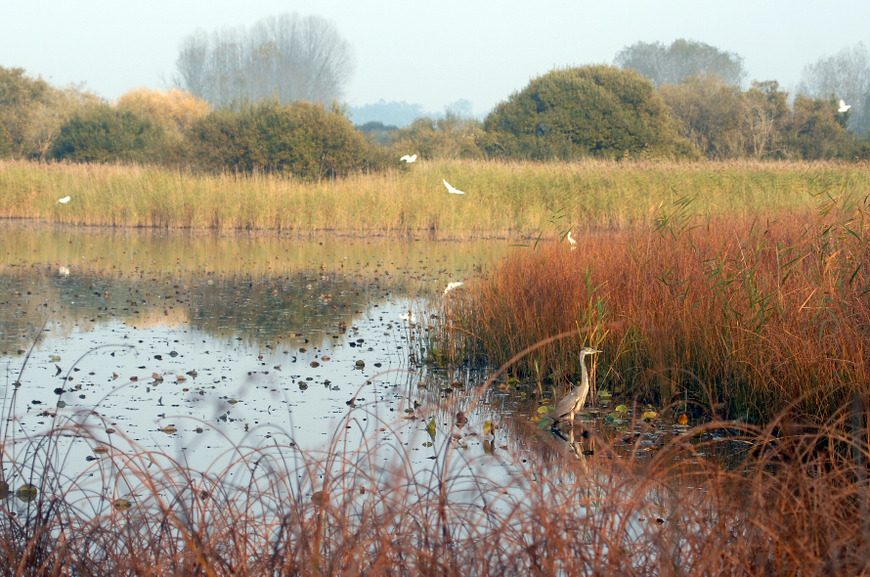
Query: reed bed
x=517 y=200
x=730 y=317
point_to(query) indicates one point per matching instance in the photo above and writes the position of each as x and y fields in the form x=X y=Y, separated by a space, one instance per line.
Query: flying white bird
x=409 y=158
x=843 y=106
x=450 y=189
x=451 y=286
x=63 y=200
x=572 y=241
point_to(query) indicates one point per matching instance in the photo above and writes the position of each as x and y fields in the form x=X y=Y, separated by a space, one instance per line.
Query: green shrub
x=301 y=139
x=588 y=111
x=102 y=133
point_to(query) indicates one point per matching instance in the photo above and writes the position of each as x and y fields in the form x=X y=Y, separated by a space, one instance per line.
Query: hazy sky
x=430 y=53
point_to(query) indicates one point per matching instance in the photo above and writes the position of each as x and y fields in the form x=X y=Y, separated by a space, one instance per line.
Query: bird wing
x=568 y=401
x=406 y=158
x=451 y=188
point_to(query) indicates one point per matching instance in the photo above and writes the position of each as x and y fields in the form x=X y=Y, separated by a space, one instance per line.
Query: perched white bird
x=450 y=189
x=63 y=200
x=409 y=158
x=572 y=241
x=63 y=270
x=843 y=106
x=451 y=286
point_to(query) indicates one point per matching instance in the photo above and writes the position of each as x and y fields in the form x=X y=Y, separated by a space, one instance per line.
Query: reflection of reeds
x=791 y=507
x=503 y=199
x=738 y=315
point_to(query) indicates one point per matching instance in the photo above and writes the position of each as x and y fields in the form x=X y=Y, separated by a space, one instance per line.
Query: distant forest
x=268 y=100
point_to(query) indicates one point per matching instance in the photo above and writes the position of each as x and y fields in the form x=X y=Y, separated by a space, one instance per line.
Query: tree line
x=678 y=101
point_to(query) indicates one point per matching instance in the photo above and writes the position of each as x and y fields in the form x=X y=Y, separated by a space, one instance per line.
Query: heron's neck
x=584 y=374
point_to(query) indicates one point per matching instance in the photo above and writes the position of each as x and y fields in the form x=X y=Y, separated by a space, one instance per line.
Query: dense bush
x=588 y=111
x=103 y=133
x=18 y=94
x=447 y=137
x=301 y=139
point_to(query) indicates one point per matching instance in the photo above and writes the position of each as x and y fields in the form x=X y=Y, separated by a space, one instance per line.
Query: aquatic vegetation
x=732 y=317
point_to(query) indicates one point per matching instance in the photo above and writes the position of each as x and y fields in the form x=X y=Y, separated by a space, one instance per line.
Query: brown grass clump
x=738 y=316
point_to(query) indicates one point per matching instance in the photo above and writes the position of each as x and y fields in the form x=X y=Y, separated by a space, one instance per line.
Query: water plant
x=739 y=315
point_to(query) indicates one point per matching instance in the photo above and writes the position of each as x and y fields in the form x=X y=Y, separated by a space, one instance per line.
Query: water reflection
x=195 y=345
x=255 y=289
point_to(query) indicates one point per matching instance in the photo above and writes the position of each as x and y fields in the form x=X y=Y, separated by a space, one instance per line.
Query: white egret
x=63 y=200
x=843 y=106
x=451 y=286
x=409 y=158
x=450 y=188
x=573 y=402
x=572 y=241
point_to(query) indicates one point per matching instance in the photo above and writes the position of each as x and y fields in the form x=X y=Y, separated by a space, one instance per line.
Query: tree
x=287 y=58
x=844 y=75
x=32 y=113
x=447 y=137
x=709 y=112
x=814 y=132
x=18 y=95
x=301 y=139
x=174 y=110
x=586 y=111
x=102 y=133
x=671 y=64
x=765 y=118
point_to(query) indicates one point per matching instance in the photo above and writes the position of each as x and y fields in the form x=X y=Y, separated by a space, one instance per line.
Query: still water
x=194 y=346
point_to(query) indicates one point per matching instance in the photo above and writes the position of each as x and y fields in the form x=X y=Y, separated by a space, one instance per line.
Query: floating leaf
x=545 y=423
x=54 y=358
x=27 y=493
x=101 y=450
x=621 y=409
x=544 y=409
x=488 y=428
x=430 y=428
x=168 y=429
x=649 y=415
x=683 y=419
x=122 y=504
x=4 y=489
x=320 y=498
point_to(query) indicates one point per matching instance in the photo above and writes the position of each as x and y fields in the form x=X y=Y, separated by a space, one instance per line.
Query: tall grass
x=740 y=316
x=503 y=199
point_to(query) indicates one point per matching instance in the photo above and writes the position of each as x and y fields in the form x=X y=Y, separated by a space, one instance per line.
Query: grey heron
x=574 y=401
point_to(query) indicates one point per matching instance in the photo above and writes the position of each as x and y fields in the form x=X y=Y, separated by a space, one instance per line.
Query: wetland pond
x=204 y=350
x=195 y=346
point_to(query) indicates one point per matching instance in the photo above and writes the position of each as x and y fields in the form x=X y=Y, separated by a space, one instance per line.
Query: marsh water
x=194 y=345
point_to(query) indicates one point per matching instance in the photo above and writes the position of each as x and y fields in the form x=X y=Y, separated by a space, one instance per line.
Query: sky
x=427 y=53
